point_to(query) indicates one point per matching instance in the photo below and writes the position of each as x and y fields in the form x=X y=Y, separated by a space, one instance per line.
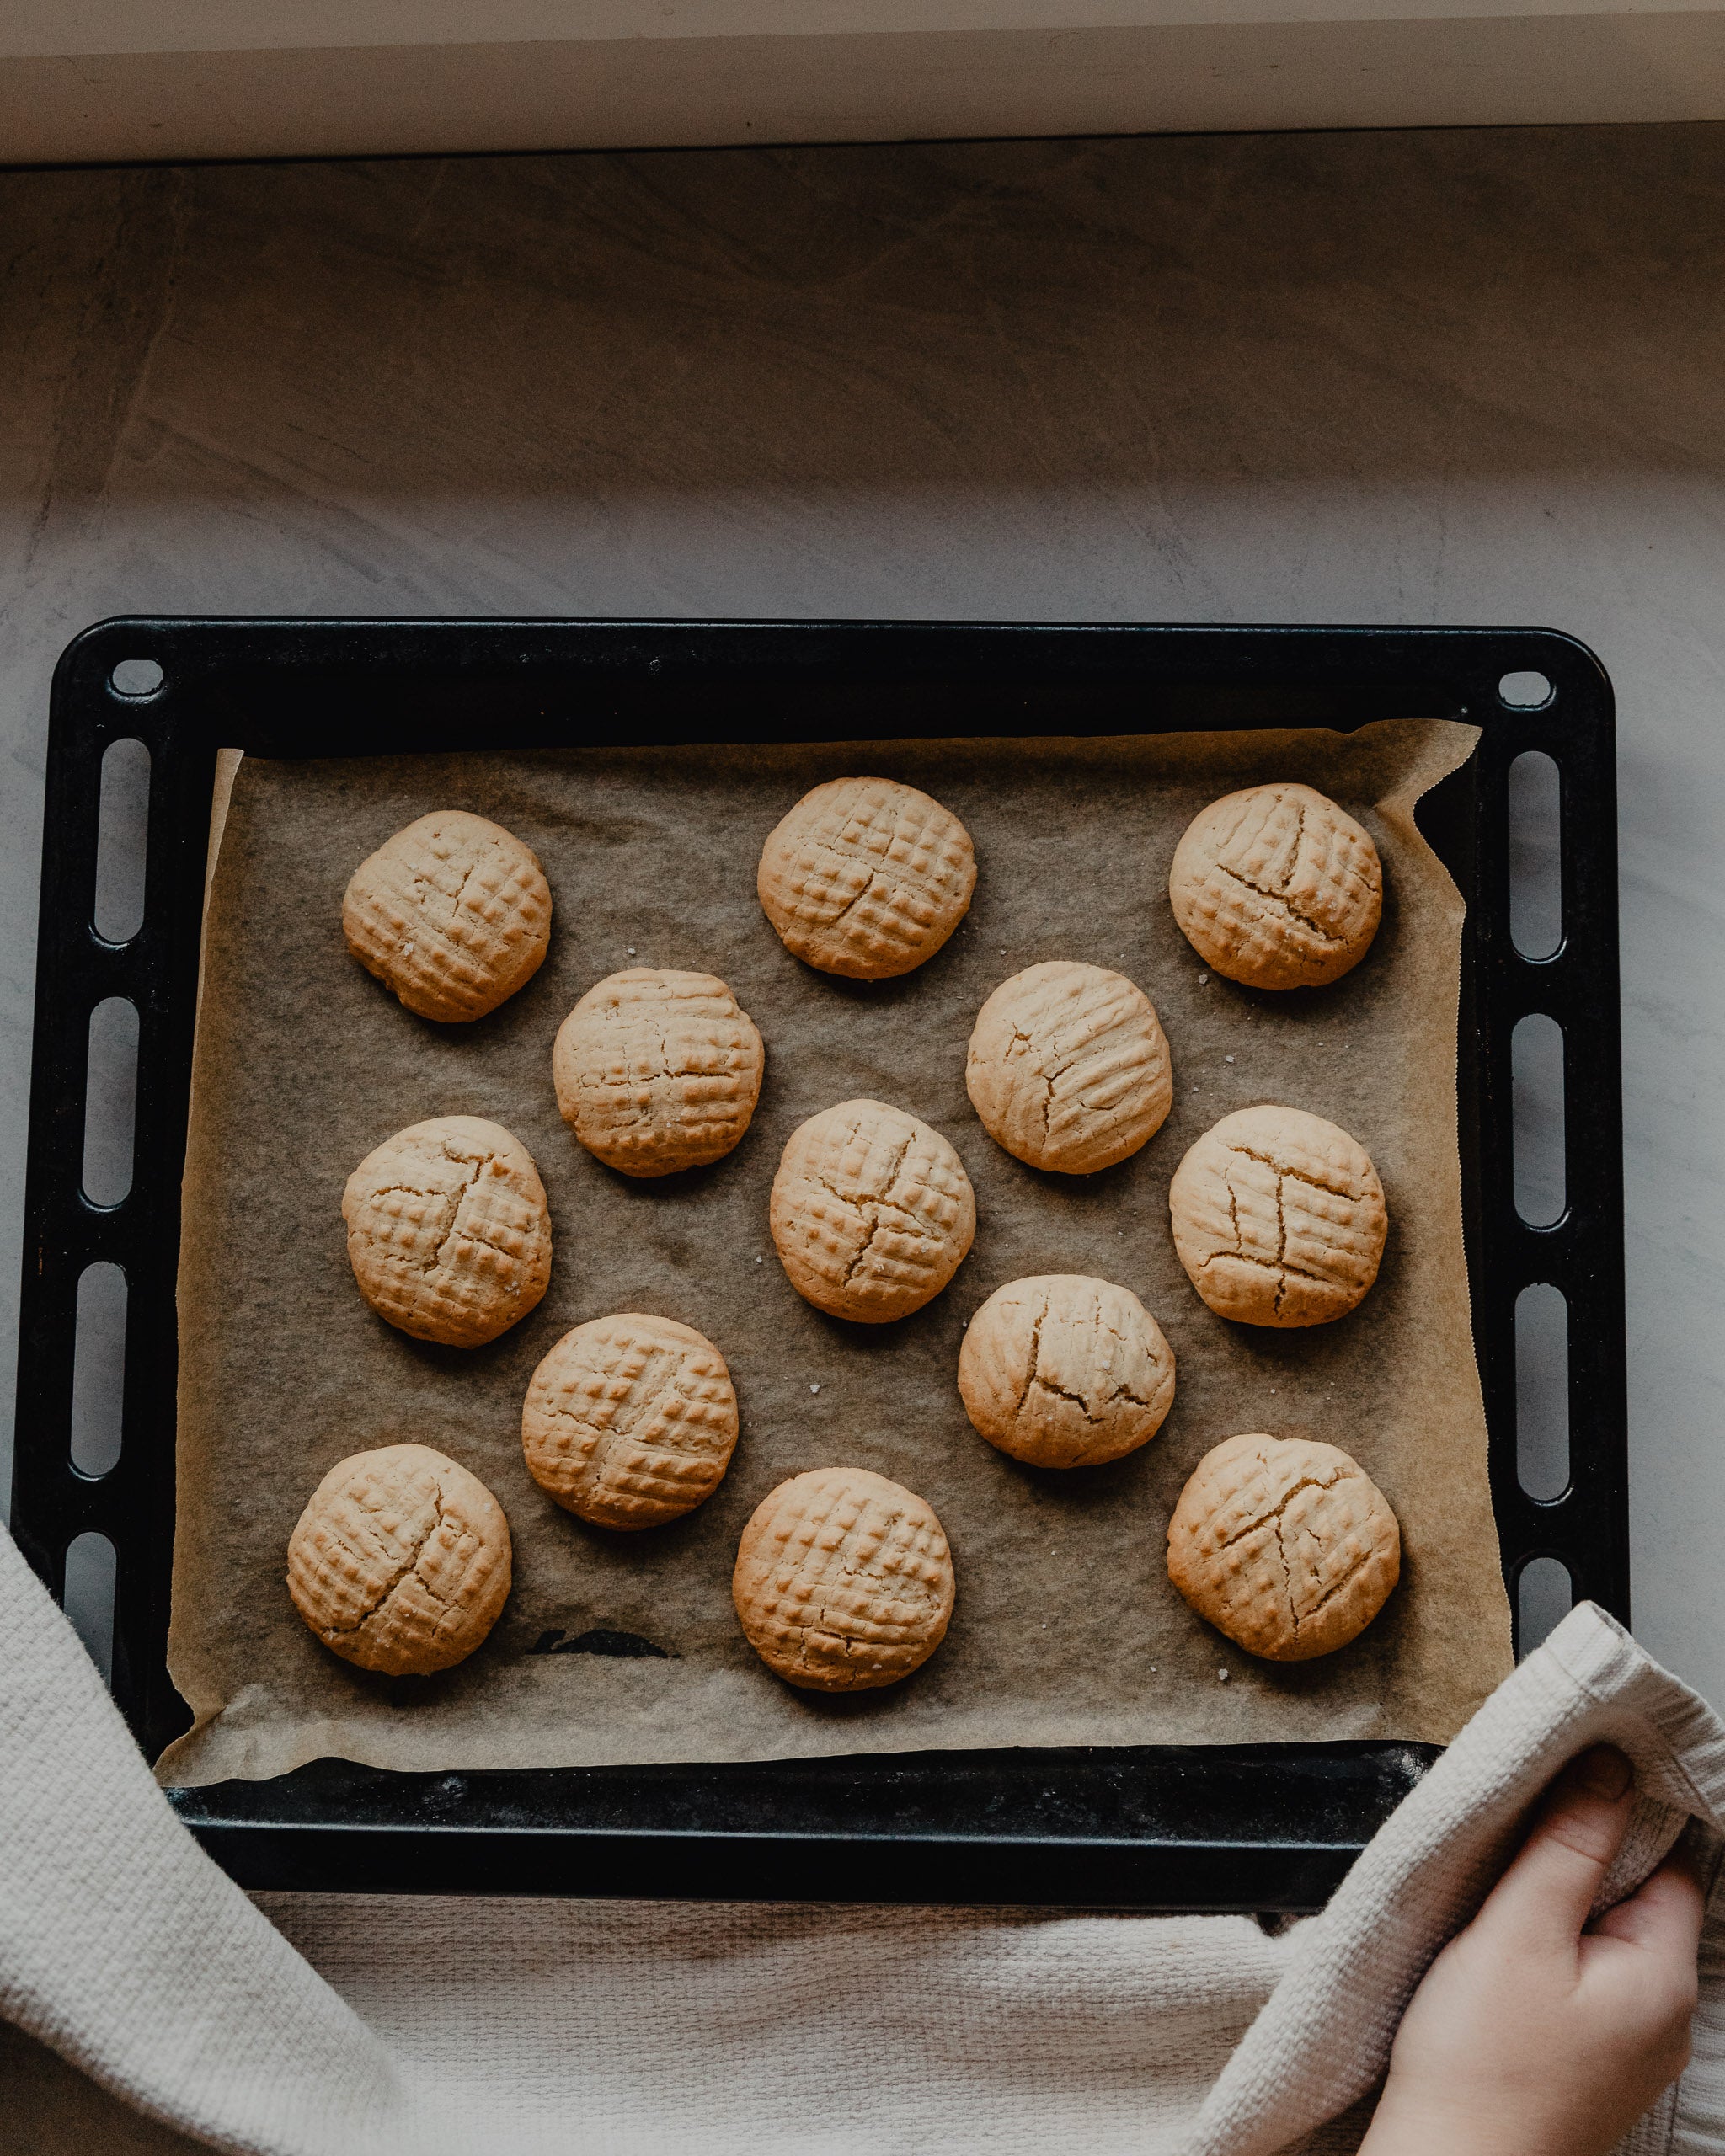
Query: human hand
x=1535 y=2033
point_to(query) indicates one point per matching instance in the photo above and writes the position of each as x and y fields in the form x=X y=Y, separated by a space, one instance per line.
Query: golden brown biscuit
x=867 y=878
x=1285 y=1545
x=1061 y=1370
x=1277 y=887
x=447 y=1231
x=843 y=1580
x=630 y=1420
x=1068 y=1067
x=1278 y=1217
x=657 y=1071
x=871 y=1211
x=401 y=1561
x=453 y=914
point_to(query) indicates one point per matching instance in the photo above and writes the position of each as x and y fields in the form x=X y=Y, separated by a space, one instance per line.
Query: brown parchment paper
x=1066 y=1629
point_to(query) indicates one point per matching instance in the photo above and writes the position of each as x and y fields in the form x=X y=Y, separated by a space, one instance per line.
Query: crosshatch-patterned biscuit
x=401 y=1561
x=447 y=1231
x=1278 y=1217
x=453 y=914
x=1277 y=887
x=871 y=1211
x=630 y=1420
x=1285 y=1545
x=843 y=1580
x=1062 y=1370
x=1068 y=1067
x=657 y=1071
x=867 y=878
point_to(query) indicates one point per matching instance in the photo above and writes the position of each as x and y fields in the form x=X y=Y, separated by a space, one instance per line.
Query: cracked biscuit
x=447 y=1231
x=1278 y=1217
x=1061 y=1370
x=453 y=914
x=843 y=1580
x=1285 y=1545
x=1277 y=887
x=867 y=878
x=657 y=1071
x=630 y=1420
x=401 y=1561
x=1068 y=1068
x=871 y=1211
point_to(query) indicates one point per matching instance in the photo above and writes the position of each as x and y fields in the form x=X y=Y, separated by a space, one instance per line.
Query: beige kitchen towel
x=361 y=2026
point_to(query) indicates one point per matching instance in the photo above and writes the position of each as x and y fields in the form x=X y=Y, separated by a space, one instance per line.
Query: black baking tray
x=1262 y=1828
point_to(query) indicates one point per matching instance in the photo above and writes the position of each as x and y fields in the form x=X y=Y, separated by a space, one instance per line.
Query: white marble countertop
x=1437 y=377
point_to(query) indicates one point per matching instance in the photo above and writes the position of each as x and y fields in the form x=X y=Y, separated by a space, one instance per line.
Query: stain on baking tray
x=627 y=1647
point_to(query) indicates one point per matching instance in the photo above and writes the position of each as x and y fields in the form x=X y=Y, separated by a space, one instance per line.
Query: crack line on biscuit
x=1264 y=1265
x=874 y=877
x=1330 y=1593
x=1035 y=1351
x=476 y=1169
x=876 y=1214
x=1324 y=936
x=1077 y=1399
x=1287 y=1573
x=400 y=1575
x=1264 y=1519
x=1276 y=898
x=1295 y=1175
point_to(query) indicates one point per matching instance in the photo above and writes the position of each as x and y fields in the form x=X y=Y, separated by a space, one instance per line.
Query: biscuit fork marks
x=867 y=878
x=453 y=913
x=401 y=1563
x=1285 y=1545
x=630 y=1420
x=1278 y=1217
x=447 y=1231
x=1277 y=887
x=871 y=1211
x=843 y=1580
x=657 y=1071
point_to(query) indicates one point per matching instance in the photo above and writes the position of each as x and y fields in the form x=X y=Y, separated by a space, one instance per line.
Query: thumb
x=1548 y=1889
x=1664 y=1913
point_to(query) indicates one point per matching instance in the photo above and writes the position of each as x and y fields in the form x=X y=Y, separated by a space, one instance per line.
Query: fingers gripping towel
x=461 y=2027
x=1323 y=2037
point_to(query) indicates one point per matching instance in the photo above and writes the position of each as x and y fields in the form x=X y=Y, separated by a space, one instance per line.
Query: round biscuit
x=1062 y=1370
x=630 y=1420
x=656 y=1071
x=843 y=1580
x=447 y=1231
x=1285 y=1545
x=1278 y=1217
x=867 y=878
x=1068 y=1067
x=453 y=914
x=871 y=1211
x=1277 y=887
x=401 y=1561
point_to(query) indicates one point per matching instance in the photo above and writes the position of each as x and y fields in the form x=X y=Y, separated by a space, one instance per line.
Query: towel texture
x=361 y=2026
